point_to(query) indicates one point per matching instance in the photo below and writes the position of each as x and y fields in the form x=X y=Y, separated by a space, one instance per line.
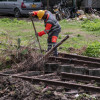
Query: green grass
x=15 y=29
x=12 y=29
x=92 y=26
x=93 y=49
x=69 y=24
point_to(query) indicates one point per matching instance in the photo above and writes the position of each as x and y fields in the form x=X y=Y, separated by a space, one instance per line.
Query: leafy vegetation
x=69 y=24
x=91 y=25
x=10 y=21
x=68 y=33
x=93 y=50
x=85 y=96
x=14 y=32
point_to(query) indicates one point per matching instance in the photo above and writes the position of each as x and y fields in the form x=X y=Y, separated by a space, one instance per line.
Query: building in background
x=86 y=4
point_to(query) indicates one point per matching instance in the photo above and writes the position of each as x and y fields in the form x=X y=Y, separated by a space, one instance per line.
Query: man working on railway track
x=52 y=27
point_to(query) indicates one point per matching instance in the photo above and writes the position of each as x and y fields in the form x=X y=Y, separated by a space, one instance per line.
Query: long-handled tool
x=36 y=33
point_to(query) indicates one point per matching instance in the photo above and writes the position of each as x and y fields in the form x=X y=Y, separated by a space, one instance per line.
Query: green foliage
x=8 y=58
x=48 y=92
x=59 y=37
x=69 y=24
x=64 y=21
x=7 y=21
x=78 y=35
x=68 y=33
x=91 y=25
x=18 y=42
x=85 y=96
x=93 y=50
x=25 y=51
x=21 y=33
x=8 y=66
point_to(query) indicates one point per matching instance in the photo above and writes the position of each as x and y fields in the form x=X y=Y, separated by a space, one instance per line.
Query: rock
x=93 y=16
x=58 y=94
x=72 y=92
x=64 y=98
x=59 y=89
x=77 y=95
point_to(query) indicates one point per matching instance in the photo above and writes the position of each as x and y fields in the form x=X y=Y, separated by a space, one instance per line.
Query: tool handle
x=36 y=33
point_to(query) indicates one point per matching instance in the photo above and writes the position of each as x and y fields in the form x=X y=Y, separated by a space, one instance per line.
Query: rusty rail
x=61 y=83
x=36 y=34
x=65 y=75
x=79 y=57
x=75 y=61
x=56 y=83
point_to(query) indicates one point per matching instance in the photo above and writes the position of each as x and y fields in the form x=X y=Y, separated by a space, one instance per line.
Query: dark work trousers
x=52 y=44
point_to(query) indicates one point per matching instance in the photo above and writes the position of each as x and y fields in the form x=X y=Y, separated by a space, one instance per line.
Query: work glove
x=41 y=33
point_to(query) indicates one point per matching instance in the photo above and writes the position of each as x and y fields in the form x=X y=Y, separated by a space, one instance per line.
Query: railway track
x=79 y=57
x=64 y=79
x=71 y=81
x=77 y=60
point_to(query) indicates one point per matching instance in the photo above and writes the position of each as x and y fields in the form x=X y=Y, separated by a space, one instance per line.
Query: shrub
x=12 y=21
x=93 y=50
x=78 y=35
x=91 y=25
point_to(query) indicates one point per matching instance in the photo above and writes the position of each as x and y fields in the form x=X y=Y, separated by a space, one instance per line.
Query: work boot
x=55 y=53
x=49 y=46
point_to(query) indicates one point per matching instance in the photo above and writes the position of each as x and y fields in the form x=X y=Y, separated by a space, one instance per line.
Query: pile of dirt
x=24 y=59
x=12 y=89
x=17 y=89
x=27 y=61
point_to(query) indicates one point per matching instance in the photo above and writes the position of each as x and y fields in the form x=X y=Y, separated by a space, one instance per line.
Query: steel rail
x=65 y=75
x=53 y=82
x=2 y=74
x=60 y=83
x=36 y=34
x=79 y=57
x=74 y=61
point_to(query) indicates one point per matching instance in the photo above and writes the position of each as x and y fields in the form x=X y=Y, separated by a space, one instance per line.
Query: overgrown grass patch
x=18 y=28
x=93 y=49
x=12 y=29
x=68 y=33
x=69 y=24
x=91 y=25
